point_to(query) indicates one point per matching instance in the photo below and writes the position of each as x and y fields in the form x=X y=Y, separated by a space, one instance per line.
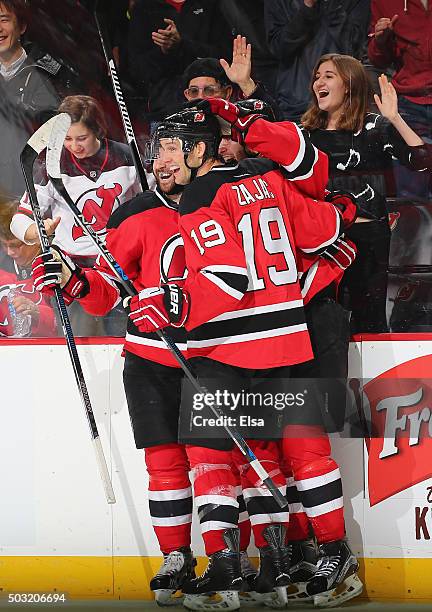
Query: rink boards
x=57 y=532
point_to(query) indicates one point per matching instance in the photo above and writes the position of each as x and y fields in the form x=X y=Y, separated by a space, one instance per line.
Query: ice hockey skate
x=178 y=566
x=335 y=580
x=304 y=557
x=248 y=597
x=219 y=586
x=273 y=574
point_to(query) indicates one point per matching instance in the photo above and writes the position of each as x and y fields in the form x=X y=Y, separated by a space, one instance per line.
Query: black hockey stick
x=127 y=124
x=54 y=149
x=35 y=145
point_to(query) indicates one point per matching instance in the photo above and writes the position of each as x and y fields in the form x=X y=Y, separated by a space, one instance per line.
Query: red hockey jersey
x=144 y=238
x=45 y=325
x=307 y=169
x=299 y=160
x=241 y=231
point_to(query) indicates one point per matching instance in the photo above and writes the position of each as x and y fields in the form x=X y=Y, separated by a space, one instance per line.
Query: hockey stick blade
x=29 y=154
x=55 y=143
x=53 y=166
x=39 y=140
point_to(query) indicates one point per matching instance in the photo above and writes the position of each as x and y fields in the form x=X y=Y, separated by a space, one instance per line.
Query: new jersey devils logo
x=97 y=208
x=172 y=260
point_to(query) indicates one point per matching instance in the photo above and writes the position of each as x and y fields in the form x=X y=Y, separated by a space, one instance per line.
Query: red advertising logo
x=399 y=406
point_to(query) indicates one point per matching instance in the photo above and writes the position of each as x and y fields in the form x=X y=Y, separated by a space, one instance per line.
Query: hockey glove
x=240 y=115
x=158 y=307
x=346 y=204
x=342 y=252
x=54 y=269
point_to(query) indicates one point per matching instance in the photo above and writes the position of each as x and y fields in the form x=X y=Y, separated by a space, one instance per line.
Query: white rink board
x=53 y=502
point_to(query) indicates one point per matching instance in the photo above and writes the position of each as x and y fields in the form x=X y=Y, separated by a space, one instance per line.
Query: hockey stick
x=35 y=145
x=127 y=124
x=54 y=149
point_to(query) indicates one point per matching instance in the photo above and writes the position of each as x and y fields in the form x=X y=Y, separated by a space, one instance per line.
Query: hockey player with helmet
x=254 y=320
x=143 y=237
x=329 y=329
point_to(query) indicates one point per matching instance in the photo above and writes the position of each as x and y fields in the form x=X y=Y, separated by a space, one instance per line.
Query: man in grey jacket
x=27 y=97
x=300 y=31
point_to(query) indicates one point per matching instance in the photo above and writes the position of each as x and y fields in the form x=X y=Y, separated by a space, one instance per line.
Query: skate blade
x=297 y=594
x=222 y=600
x=168 y=597
x=250 y=599
x=348 y=589
x=277 y=599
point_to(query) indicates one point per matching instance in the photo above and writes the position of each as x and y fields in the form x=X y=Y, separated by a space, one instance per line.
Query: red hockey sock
x=215 y=494
x=261 y=506
x=318 y=481
x=170 y=495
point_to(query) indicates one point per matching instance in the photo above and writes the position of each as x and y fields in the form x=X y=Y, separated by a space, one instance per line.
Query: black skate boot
x=177 y=567
x=304 y=557
x=273 y=574
x=335 y=580
x=248 y=597
x=218 y=587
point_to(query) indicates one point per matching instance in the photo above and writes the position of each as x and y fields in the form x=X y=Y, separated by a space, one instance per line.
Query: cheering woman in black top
x=360 y=146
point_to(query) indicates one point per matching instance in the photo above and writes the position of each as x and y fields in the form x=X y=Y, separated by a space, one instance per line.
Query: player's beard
x=175 y=189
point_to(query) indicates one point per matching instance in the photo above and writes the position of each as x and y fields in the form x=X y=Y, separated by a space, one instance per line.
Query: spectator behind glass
x=401 y=35
x=360 y=146
x=246 y=18
x=165 y=36
x=98 y=174
x=15 y=272
x=27 y=97
x=212 y=78
x=300 y=31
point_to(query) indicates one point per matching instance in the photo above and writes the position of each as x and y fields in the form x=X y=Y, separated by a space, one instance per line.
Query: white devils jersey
x=97 y=185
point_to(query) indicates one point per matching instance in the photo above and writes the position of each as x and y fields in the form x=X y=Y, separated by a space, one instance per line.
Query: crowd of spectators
x=172 y=51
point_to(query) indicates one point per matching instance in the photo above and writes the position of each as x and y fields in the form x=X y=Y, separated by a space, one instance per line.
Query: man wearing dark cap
x=209 y=77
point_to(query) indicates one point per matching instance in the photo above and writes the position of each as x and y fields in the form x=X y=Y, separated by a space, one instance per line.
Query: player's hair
x=19 y=8
x=356 y=101
x=88 y=110
x=7 y=210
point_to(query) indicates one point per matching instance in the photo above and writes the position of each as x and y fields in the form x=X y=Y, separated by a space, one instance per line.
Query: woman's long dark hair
x=357 y=98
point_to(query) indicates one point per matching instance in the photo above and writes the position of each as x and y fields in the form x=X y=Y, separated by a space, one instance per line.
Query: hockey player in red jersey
x=241 y=229
x=143 y=236
x=306 y=448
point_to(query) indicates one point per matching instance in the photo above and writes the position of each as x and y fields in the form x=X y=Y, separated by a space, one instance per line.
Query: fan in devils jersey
x=98 y=174
x=15 y=273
